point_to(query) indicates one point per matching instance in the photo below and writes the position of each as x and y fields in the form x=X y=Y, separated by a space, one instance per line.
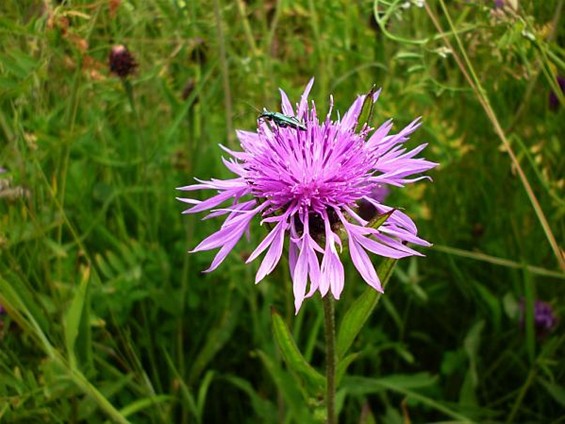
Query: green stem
x=521 y=394
x=140 y=152
x=331 y=357
x=225 y=73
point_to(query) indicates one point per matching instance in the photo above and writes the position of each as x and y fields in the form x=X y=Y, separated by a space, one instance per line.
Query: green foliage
x=109 y=319
x=358 y=313
x=296 y=362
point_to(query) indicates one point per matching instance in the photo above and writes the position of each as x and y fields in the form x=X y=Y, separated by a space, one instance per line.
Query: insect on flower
x=282 y=121
x=309 y=186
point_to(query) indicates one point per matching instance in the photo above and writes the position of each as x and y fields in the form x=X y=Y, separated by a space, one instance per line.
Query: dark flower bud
x=553 y=99
x=121 y=61
x=198 y=50
x=188 y=89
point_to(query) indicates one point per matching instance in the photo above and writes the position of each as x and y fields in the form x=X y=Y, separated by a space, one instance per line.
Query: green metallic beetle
x=282 y=120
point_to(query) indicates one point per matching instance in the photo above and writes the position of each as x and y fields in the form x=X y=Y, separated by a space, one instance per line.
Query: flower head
x=305 y=178
x=545 y=319
x=121 y=61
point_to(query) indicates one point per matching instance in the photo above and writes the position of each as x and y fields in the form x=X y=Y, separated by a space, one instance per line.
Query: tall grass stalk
x=467 y=69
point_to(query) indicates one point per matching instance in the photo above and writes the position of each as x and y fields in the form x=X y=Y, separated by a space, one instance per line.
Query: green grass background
x=108 y=318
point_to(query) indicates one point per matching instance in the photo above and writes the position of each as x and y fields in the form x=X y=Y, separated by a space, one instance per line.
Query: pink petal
x=363 y=264
x=292 y=257
x=303 y=106
x=286 y=106
x=210 y=203
x=384 y=250
x=349 y=120
x=337 y=276
x=222 y=254
x=275 y=239
x=299 y=279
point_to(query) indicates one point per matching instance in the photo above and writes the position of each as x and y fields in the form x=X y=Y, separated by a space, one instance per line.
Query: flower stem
x=331 y=357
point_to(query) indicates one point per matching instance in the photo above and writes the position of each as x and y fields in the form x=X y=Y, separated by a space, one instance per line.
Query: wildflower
x=544 y=317
x=306 y=184
x=121 y=61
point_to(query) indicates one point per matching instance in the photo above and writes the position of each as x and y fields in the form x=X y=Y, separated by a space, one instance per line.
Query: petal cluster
x=307 y=186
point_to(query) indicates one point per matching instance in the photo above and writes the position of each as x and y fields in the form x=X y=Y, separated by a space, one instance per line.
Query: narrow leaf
x=342 y=366
x=293 y=357
x=216 y=339
x=289 y=389
x=379 y=220
x=77 y=319
x=361 y=309
x=366 y=114
x=144 y=403
x=555 y=391
x=264 y=409
x=403 y=384
x=202 y=393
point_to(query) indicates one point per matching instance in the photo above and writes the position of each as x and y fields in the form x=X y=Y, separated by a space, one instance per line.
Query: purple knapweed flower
x=306 y=182
x=544 y=317
x=121 y=61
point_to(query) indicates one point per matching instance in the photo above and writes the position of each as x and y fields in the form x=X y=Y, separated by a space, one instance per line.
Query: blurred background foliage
x=106 y=317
